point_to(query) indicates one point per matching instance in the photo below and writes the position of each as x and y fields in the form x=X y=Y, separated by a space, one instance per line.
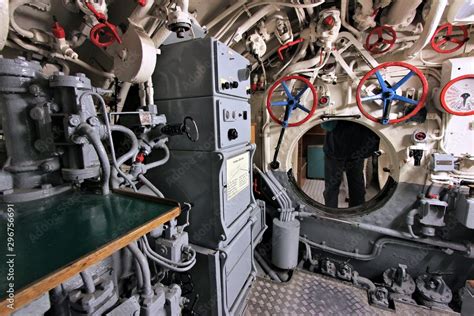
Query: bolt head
x=35 y=90
x=93 y=121
x=74 y=121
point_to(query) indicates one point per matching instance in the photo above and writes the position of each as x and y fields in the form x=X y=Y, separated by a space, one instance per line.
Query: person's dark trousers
x=333 y=171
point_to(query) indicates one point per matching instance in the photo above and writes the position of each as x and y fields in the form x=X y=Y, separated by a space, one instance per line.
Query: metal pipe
x=109 y=134
x=134 y=147
x=150 y=185
x=159 y=162
x=145 y=268
x=364 y=282
x=466 y=249
x=250 y=22
x=124 y=89
x=88 y=282
x=87 y=131
x=139 y=13
x=431 y=24
x=160 y=36
x=374 y=253
x=224 y=14
x=350 y=28
x=266 y=267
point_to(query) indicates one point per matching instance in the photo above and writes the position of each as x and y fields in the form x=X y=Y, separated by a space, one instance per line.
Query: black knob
x=235 y=84
x=226 y=85
x=232 y=134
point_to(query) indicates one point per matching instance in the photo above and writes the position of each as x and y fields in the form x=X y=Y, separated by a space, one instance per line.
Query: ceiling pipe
x=432 y=21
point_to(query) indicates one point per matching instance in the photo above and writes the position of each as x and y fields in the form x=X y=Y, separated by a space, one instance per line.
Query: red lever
x=58 y=30
x=286 y=46
x=104 y=33
x=141 y=2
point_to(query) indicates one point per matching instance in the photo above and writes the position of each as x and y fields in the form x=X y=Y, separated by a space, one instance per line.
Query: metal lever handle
x=188 y=128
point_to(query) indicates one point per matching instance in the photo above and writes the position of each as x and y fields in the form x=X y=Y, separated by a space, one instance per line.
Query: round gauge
x=457 y=97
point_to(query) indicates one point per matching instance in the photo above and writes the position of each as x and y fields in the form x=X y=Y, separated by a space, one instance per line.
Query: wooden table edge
x=33 y=291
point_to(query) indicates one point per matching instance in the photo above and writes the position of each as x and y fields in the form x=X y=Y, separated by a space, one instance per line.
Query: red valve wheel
x=377 y=46
x=292 y=102
x=388 y=93
x=439 y=40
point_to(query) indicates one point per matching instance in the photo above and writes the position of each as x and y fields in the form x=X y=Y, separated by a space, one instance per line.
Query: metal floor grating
x=313 y=294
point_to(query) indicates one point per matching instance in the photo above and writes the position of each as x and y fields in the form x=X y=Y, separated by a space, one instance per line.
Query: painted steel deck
x=313 y=294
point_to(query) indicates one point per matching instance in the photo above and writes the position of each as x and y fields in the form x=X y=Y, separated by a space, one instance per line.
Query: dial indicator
x=457 y=97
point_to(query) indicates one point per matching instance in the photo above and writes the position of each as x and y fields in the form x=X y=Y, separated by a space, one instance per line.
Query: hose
x=90 y=133
x=109 y=134
x=144 y=267
x=88 y=282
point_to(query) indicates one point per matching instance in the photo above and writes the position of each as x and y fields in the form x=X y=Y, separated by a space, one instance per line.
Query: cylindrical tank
x=285 y=241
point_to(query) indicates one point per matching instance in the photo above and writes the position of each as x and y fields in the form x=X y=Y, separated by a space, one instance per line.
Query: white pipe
x=269 y=9
x=432 y=22
x=46 y=53
x=15 y=4
x=124 y=89
x=184 y=5
x=350 y=28
x=160 y=36
x=305 y=64
x=5 y=23
x=141 y=12
x=224 y=14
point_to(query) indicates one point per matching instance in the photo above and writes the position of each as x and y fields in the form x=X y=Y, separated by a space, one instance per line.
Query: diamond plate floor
x=313 y=294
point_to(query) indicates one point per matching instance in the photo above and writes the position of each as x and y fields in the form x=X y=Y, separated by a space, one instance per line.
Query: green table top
x=53 y=233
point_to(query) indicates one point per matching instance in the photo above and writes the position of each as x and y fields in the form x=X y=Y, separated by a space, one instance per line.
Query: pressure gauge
x=457 y=97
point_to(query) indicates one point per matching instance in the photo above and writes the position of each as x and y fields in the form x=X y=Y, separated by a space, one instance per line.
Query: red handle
x=376 y=47
x=286 y=46
x=459 y=42
x=103 y=28
x=58 y=30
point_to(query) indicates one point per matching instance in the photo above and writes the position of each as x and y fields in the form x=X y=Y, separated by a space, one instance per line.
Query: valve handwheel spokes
x=292 y=102
x=381 y=39
x=444 y=35
x=388 y=93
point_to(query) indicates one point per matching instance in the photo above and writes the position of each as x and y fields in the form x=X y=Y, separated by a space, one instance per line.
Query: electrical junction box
x=201 y=67
x=217 y=184
x=223 y=122
x=465 y=211
x=442 y=162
